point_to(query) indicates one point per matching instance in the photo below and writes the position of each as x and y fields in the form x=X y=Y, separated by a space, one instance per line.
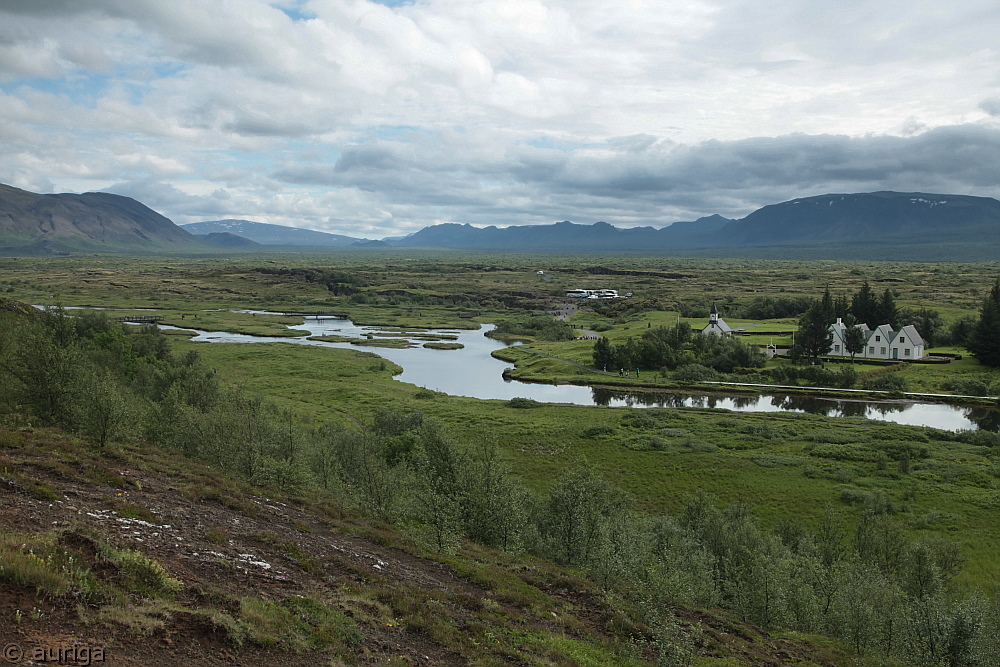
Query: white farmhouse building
x=880 y=343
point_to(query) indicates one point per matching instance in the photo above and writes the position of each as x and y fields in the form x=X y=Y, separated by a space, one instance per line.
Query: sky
x=378 y=119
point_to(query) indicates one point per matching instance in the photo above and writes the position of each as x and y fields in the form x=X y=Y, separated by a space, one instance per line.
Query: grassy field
x=785 y=465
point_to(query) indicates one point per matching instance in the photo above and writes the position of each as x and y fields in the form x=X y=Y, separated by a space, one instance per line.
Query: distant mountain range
x=827 y=221
x=268 y=234
x=567 y=236
x=91 y=222
x=877 y=225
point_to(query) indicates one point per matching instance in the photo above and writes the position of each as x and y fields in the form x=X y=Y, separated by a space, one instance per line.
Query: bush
x=970 y=386
x=845 y=453
x=979 y=438
x=838 y=436
x=695 y=373
x=597 y=431
x=885 y=382
x=523 y=403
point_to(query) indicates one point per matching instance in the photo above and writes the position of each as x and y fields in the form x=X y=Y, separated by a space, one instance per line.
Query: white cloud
x=381 y=120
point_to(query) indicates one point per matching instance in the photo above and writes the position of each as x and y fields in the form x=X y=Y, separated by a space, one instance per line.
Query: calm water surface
x=472 y=372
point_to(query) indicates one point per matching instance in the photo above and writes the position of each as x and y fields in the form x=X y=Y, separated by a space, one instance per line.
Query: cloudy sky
x=376 y=119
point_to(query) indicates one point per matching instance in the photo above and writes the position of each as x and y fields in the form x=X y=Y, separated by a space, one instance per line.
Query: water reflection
x=472 y=372
x=937 y=415
x=986 y=419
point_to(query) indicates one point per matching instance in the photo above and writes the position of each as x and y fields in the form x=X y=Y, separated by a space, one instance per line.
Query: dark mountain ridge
x=876 y=225
x=93 y=221
x=266 y=233
x=865 y=217
x=928 y=226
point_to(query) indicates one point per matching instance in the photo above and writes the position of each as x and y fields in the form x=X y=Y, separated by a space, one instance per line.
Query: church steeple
x=713 y=317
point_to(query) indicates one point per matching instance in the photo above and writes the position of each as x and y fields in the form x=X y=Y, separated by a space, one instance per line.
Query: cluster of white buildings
x=880 y=343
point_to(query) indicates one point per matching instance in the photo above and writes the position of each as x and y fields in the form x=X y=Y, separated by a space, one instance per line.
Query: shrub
x=523 y=403
x=597 y=431
x=140 y=575
x=695 y=373
x=845 y=453
x=970 y=386
x=980 y=438
x=838 y=436
x=885 y=382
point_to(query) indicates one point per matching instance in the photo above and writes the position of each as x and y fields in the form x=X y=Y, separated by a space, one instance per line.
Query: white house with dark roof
x=716 y=325
x=880 y=343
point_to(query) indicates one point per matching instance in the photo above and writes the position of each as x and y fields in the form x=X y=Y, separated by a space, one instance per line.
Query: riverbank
x=537 y=367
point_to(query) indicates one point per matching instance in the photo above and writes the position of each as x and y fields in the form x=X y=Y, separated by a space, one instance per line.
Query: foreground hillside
x=157 y=560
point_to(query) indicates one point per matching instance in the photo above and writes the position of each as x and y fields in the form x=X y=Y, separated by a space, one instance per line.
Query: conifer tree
x=864 y=306
x=984 y=342
x=814 y=337
x=886 y=311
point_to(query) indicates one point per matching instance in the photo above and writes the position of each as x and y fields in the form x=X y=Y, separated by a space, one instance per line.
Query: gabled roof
x=882 y=329
x=911 y=334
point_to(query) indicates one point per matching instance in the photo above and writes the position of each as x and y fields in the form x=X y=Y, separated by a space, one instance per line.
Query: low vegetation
x=877 y=537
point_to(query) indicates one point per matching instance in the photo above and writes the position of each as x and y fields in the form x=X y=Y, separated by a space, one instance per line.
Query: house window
x=871 y=350
x=906 y=352
x=902 y=340
x=836 y=348
x=883 y=351
x=878 y=339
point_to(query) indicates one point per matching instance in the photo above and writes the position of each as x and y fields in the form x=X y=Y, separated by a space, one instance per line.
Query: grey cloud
x=991 y=106
x=168 y=200
x=267 y=127
x=664 y=182
x=366 y=158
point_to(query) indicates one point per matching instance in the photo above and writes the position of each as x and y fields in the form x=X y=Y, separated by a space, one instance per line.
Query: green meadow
x=935 y=482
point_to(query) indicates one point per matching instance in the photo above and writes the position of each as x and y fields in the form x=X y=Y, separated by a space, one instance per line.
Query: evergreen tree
x=842 y=307
x=814 y=337
x=864 y=306
x=829 y=310
x=886 y=311
x=984 y=341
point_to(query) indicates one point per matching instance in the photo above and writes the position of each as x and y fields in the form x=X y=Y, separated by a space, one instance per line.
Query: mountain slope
x=268 y=234
x=917 y=226
x=565 y=235
x=93 y=221
x=229 y=240
x=908 y=217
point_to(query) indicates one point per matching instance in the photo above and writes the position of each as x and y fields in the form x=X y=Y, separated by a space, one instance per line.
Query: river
x=473 y=372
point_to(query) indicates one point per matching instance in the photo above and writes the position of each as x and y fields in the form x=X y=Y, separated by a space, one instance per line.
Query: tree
x=854 y=341
x=829 y=310
x=984 y=342
x=842 y=307
x=864 y=306
x=927 y=321
x=576 y=517
x=604 y=354
x=814 y=337
x=886 y=312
